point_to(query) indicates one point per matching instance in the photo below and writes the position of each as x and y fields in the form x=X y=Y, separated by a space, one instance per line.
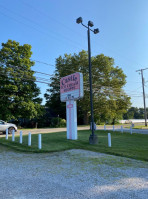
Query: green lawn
x=140 y=127
x=134 y=146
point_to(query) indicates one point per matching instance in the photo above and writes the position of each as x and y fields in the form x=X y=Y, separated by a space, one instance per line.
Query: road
x=118 y=128
x=54 y=130
x=44 y=130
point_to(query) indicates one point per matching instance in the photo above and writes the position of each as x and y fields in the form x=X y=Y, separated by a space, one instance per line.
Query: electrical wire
x=34 y=22
x=13 y=66
x=60 y=38
x=41 y=62
x=86 y=83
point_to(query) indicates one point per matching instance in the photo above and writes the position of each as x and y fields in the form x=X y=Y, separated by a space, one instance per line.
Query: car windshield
x=2 y=122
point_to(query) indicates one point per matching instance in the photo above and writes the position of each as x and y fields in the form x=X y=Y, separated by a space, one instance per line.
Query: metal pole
x=145 y=113
x=93 y=138
x=90 y=81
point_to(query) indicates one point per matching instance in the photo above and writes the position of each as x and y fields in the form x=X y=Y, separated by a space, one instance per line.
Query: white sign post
x=21 y=137
x=13 y=135
x=29 y=139
x=113 y=127
x=71 y=118
x=104 y=127
x=121 y=129
x=71 y=89
x=109 y=140
x=39 y=141
x=131 y=130
x=6 y=134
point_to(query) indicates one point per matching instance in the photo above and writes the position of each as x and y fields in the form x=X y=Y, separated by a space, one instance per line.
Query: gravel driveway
x=73 y=174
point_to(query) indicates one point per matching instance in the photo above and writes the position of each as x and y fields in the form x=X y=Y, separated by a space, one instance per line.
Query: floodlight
x=79 y=20
x=90 y=23
x=96 y=31
x=93 y=139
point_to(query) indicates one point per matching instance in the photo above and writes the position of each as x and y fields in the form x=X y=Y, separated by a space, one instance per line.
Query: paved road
x=47 y=130
x=53 y=130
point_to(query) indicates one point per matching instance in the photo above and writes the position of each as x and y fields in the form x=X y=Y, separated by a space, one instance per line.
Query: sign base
x=71 y=119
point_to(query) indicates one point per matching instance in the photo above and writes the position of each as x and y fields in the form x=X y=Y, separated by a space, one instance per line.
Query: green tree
x=18 y=91
x=110 y=101
x=132 y=113
x=135 y=113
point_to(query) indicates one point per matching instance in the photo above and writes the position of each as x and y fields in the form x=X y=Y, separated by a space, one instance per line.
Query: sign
x=71 y=87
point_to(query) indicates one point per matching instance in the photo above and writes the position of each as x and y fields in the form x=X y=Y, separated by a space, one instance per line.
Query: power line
x=35 y=71
x=51 y=18
x=31 y=80
x=84 y=83
x=34 y=22
x=43 y=62
x=30 y=26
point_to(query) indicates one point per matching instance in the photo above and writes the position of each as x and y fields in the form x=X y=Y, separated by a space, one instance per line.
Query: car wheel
x=10 y=130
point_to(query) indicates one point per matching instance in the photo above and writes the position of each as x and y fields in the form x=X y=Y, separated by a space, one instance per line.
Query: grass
x=133 y=146
x=140 y=127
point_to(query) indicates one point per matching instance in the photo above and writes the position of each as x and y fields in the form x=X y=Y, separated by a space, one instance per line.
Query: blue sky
x=50 y=28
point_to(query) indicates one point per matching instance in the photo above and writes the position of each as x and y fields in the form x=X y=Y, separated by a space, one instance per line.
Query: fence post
x=121 y=129
x=39 y=141
x=13 y=135
x=29 y=139
x=109 y=139
x=113 y=127
x=104 y=127
x=21 y=138
x=131 y=129
x=6 y=134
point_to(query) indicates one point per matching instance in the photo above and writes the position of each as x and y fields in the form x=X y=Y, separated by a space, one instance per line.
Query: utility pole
x=145 y=113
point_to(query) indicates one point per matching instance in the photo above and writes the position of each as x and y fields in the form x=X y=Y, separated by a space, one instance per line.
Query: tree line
x=19 y=94
x=135 y=113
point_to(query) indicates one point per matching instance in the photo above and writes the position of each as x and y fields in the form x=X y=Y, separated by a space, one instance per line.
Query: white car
x=9 y=126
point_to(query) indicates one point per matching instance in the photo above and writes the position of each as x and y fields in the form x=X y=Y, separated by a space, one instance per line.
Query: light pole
x=93 y=139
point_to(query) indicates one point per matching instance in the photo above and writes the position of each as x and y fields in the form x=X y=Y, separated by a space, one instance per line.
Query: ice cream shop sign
x=71 y=89
x=71 y=86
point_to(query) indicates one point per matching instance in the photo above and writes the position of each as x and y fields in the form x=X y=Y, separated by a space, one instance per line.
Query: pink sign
x=70 y=83
x=70 y=106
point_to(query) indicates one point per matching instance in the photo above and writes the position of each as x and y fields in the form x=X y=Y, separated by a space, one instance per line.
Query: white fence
x=29 y=138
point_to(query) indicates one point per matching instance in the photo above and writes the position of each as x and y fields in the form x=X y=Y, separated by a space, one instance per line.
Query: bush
x=58 y=122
